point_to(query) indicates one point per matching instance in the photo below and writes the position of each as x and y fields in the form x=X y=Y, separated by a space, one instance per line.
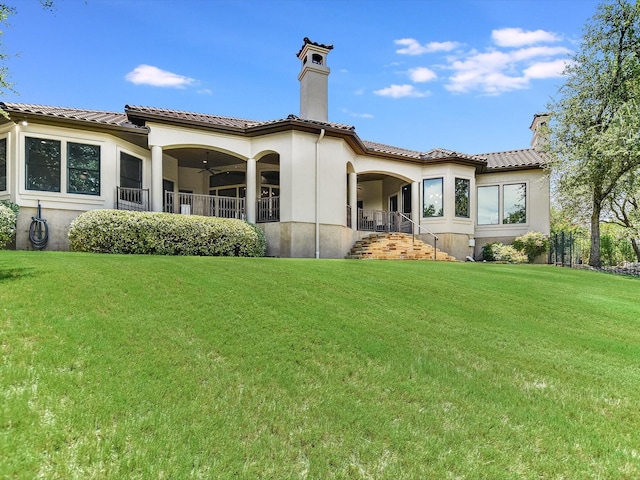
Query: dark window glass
x=432 y=191
x=42 y=164
x=130 y=171
x=226 y=178
x=83 y=165
x=3 y=164
x=462 y=197
x=270 y=178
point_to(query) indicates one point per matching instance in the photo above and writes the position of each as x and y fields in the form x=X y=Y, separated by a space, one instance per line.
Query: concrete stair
x=395 y=246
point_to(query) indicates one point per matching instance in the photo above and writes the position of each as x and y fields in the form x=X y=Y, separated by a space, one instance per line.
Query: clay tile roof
x=514 y=159
x=437 y=153
x=191 y=116
x=382 y=148
x=93 y=116
x=339 y=126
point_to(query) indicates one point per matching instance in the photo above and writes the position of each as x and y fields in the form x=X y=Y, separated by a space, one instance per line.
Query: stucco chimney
x=314 y=80
x=540 y=133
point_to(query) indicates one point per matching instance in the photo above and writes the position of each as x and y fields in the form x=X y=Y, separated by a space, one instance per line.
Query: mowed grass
x=143 y=367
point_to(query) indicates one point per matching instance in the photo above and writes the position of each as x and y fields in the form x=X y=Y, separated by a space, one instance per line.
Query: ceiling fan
x=207 y=168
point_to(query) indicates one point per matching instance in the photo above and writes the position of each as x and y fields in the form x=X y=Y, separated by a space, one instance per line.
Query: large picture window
x=42 y=164
x=515 y=203
x=83 y=167
x=130 y=171
x=3 y=164
x=432 y=191
x=462 y=197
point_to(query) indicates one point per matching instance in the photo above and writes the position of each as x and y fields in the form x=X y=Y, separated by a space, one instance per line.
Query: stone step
x=394 y=246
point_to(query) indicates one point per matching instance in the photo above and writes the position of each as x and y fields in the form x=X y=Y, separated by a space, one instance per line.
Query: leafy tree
x=623 y=208
x=594 y=122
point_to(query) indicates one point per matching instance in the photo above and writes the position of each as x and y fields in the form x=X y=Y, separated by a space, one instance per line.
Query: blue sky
x=466 y=75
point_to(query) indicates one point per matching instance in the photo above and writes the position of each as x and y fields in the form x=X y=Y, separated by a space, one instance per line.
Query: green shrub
x=488 y=253
x=8 y=220
x=510 y=254
x=497 y=252
x=119 y=231
x=533 y=244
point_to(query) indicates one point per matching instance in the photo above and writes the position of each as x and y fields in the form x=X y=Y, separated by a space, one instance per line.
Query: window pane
x=488 y=205
x=462 y=197
x=130 y=171
x=432 y=197
x=83 y=163
x=3 y=164
x=43 y=164
x=515 y=203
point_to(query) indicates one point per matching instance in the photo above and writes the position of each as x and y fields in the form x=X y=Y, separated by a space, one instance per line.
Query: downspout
x=320 y=137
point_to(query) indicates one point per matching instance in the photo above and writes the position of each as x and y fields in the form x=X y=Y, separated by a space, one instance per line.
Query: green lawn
x=142 y=367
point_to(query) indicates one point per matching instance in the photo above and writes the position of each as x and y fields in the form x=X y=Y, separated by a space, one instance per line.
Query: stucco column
x=415 y=204
x=251 y=190
x=156 y=178
x=353 y=199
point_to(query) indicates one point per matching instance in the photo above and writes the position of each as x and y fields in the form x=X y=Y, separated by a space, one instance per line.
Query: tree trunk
x=594 y=253
x=636 y=248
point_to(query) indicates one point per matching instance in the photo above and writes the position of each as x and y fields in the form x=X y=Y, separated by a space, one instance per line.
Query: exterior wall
x=58 y=221
x=538 y=216
x=301 y=155
x=60 y=208
x=297 y=240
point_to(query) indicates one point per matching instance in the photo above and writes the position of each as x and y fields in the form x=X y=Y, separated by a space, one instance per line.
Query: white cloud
x=517 y=57
x=150 y=75
x=516 y=37
x=533 y=52
x=413 y=47
x=550 y=69
x=399 y=91
x=205 y=91
x=497 y=71
x=422 y=74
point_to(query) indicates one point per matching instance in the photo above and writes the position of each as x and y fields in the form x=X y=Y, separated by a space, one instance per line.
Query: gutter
x=320 y=137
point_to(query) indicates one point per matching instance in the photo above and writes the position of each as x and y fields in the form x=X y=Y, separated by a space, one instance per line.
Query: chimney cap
x=315 y=44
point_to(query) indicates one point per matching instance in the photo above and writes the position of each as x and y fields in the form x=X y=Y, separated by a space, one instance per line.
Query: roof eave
x=17 y=116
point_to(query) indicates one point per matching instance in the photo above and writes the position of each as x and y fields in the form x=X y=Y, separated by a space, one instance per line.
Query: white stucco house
x=313 y=186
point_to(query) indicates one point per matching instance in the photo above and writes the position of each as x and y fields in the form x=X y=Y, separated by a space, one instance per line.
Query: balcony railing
x=206 y=205
x=268 y=210
x=132 y=199
x=383 y=221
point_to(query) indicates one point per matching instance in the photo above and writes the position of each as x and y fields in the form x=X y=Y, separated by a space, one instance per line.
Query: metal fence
x=567 y=249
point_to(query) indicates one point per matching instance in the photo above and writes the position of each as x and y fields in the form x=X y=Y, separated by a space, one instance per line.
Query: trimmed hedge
x=120 y=231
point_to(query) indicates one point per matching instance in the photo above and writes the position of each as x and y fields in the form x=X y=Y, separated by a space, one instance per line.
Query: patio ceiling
x=191 y=157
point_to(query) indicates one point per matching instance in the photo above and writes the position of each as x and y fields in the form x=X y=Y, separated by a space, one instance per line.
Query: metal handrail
x=435 y=237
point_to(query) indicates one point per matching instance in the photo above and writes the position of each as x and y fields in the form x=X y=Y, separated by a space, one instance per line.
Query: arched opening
x=204 y=181
x=384 y=203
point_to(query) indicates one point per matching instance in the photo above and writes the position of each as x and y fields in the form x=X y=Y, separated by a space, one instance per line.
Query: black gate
x=566 y=249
